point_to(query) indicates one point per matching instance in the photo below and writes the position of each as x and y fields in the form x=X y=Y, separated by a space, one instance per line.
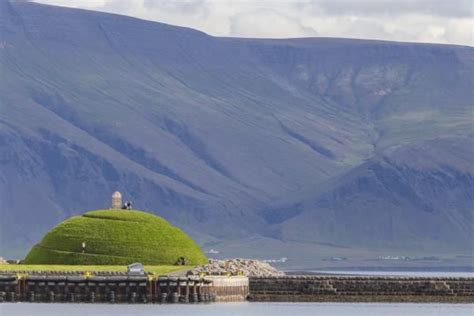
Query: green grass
x=115 y=237
x=159 y=270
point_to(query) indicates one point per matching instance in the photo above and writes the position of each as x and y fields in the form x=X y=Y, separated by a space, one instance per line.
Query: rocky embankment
x=238 y=266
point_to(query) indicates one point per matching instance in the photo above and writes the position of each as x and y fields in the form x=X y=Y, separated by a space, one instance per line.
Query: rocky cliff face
x=347 y=142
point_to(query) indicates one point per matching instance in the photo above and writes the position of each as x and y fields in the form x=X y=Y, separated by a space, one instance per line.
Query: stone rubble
x=238 y=266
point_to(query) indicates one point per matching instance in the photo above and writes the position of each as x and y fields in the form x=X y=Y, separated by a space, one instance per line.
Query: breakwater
x=361 y=289
x=119 y=288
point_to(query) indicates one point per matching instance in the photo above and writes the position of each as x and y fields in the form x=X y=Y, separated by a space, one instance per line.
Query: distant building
x=116 y=200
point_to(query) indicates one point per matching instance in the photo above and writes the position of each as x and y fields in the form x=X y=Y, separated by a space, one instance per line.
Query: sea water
x=423 y=274
x=237 y=309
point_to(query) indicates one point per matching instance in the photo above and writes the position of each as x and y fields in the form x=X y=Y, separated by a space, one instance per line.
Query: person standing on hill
x=127 y=205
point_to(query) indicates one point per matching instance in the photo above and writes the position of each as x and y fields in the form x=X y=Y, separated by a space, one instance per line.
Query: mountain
x=347 y=144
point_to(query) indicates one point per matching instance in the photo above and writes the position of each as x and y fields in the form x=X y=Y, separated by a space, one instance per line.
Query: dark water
x=244 y=309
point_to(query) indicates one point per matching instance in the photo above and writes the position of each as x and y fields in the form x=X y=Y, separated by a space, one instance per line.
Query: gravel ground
x=238 y=266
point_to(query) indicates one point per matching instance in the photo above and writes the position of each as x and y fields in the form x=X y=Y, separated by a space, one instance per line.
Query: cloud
x=268 y=24
x=182 y=6
x=436 y=21
x=86 y=4
x=444 y=8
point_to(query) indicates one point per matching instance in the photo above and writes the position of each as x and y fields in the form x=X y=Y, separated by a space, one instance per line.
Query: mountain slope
x=225 y=136
x=425 y=183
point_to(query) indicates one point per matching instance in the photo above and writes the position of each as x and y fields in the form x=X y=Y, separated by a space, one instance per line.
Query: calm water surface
x=244 y=309
x=406 y=273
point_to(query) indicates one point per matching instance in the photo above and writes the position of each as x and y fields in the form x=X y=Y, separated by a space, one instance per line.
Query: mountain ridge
x=224 y=136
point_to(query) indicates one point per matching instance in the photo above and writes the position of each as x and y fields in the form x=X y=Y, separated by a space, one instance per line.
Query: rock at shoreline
x=238 y=266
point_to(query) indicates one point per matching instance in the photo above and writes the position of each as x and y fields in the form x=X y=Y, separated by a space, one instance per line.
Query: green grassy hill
x=115 y=237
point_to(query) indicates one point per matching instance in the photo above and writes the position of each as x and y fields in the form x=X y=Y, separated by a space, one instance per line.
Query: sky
x=433 y=21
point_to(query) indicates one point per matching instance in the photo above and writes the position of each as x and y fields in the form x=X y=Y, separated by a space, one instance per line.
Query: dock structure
x=333 y=288
x=119 y=288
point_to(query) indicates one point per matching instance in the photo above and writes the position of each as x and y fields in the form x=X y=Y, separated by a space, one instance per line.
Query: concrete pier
x=115 y=287
x=361 y=289
x=230 y=289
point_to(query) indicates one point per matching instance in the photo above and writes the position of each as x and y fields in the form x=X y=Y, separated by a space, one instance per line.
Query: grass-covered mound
x=156 y=269
x=115 y=237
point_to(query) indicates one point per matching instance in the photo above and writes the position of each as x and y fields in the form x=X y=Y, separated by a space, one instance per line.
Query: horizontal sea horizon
x=436 y=274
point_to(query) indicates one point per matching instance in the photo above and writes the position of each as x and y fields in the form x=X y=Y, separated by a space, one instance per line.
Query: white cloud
x=446 y=8
x=85 y=4
x=436 y=21
x=268 y=24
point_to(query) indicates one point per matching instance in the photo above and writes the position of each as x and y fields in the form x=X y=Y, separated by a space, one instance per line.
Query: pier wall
x=119 y=288
x=122 y=288
x=361 y=289
x=230 y=289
